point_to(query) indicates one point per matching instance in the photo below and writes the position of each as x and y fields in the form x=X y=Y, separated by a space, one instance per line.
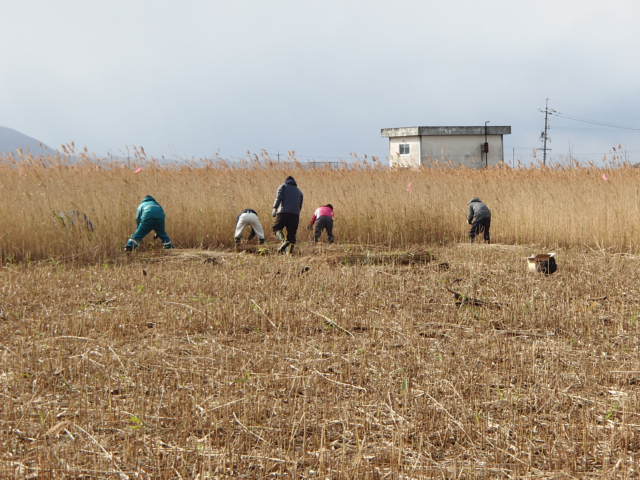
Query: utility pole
x=545 y=134
x=485 y=146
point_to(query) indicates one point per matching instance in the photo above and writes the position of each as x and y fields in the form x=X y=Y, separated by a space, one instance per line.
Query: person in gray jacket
x=286 y=210
x=479 y=217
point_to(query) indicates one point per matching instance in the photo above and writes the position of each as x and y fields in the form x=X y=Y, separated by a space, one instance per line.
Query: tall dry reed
x=549 y=207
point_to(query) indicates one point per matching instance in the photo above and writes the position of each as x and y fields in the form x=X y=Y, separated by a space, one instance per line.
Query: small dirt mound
x=418 y=257
x=185 y=255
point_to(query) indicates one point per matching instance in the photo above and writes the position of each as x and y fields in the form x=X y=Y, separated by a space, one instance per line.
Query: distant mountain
x=12 y=140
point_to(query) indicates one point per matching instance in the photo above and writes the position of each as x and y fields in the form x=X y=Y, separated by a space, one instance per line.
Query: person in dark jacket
x=479 y=217
x=149 y=216
x=249 y=217
x=286 y=210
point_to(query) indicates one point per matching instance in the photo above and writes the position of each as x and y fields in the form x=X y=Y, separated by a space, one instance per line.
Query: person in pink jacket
x=323 y=220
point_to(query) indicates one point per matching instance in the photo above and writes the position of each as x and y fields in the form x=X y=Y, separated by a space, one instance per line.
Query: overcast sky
x=192 y=78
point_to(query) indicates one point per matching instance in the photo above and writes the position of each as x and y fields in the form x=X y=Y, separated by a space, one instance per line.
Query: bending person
x=323 y=220
x=149 y=216
x=479 y=217
x=249 y=218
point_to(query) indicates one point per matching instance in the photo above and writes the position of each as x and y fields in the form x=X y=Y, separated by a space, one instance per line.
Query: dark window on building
x=404 y=149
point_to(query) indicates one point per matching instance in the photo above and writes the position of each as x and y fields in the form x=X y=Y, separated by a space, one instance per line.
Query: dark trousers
x=289 y=221
x=480 y=226
x=323 y=223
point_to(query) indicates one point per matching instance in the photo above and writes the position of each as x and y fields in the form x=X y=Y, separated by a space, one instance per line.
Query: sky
x=196 y=78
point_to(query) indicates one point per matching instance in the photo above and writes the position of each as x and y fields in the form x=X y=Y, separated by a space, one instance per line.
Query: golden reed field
x=400 y=352
x=551 y=207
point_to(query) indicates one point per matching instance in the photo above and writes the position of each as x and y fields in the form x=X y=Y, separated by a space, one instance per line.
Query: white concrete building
x=474 y=147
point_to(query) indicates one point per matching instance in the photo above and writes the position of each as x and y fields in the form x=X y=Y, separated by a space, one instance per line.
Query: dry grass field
x=399 y=352
x=200 y=364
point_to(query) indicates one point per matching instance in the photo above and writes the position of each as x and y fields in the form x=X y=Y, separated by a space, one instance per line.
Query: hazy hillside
x=11 y=140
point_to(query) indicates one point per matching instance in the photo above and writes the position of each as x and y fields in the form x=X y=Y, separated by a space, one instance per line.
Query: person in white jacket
x=249 y=218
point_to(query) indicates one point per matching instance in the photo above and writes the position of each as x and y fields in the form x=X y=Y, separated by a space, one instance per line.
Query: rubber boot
x=283 y=247
x=131 y=245
x=289 y=249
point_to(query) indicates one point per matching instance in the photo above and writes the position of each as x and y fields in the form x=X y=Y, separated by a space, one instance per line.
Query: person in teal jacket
x=149 y=216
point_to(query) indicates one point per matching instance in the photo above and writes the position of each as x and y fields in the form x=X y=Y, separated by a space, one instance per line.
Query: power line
x=592 y=122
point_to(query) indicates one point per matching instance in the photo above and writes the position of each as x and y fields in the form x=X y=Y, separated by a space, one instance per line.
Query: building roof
x=442 y=131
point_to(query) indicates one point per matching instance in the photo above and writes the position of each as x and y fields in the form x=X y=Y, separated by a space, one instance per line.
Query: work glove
x=273 y=212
